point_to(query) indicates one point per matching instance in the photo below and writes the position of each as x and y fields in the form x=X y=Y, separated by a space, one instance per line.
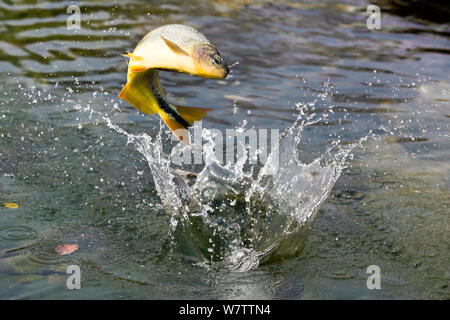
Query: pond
x=363 y=175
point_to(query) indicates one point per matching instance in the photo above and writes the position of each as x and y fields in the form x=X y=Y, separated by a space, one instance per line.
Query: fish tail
x=138 y=98
x=179 y=118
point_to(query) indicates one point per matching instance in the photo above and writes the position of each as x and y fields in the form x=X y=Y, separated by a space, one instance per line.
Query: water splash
x=235 y=215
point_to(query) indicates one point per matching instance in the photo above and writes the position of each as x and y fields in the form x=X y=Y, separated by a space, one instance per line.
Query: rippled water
x=373 y=112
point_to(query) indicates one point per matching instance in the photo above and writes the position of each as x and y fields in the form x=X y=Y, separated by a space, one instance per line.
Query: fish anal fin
x=192 y=114
x=174 y=47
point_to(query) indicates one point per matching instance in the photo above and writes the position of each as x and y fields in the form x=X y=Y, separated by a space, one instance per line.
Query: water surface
x=65 y=158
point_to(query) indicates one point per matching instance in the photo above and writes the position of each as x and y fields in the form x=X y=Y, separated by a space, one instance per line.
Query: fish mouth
x=226 y=71
x=223 y=72
x=216 y=73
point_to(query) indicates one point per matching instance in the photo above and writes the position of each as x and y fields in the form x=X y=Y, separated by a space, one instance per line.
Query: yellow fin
x=130 y=55
x=192 y=114
x=174 y=47
x=178 y=130
x=137 y=68
x=134 y=96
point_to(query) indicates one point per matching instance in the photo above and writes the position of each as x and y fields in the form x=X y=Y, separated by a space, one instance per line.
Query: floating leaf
x=66 y=248
x=11 y=205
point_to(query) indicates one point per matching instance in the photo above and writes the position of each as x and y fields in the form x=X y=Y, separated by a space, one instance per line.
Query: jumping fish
x=172 y=47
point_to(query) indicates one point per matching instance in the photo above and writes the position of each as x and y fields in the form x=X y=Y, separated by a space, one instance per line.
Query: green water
x=78 y=181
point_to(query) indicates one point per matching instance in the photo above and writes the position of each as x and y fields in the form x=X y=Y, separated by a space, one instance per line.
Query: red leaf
x=66 y=248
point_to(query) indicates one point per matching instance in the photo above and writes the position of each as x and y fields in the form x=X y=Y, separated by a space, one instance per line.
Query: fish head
x=208 y=62
x=178 y=48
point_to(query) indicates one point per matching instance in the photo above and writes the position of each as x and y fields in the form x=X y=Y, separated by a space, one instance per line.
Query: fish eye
x=217 y=59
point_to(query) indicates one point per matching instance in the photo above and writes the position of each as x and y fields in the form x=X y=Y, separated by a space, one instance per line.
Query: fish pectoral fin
x=178 y=130
x=174 y=47
x=133 y=58
x=192 y=114
x=130 y=55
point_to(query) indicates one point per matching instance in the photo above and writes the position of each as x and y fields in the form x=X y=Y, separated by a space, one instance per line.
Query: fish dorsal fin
x=174 y=47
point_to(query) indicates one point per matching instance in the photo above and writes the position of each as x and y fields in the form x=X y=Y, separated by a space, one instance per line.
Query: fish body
x=177 y=48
